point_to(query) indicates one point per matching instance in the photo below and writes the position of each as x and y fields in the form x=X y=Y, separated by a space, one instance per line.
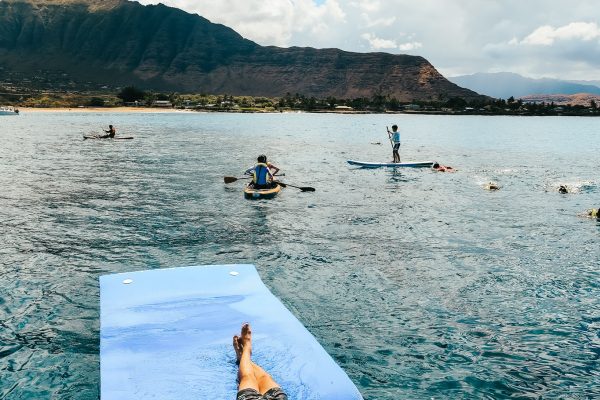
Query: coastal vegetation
x=134 y=97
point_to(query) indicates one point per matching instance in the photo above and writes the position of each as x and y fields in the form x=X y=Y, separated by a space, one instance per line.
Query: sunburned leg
x=264 y=380
x=246 y=377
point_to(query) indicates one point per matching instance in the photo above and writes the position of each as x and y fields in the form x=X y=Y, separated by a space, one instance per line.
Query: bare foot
x=238 y=348
x=246 y=339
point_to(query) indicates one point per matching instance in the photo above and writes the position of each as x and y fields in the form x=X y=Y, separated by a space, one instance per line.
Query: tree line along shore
x=133 y=97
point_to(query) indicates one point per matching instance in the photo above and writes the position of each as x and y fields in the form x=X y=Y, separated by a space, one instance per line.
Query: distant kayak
x=414 y=164
x=102 y=137
x=251 y=193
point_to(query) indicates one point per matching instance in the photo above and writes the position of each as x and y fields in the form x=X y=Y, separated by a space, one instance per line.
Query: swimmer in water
x=492 y=186
x=442 y=168
x=563 y=189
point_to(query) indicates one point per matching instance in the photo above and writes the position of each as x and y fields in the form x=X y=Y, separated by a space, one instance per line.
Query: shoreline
x=151 y=110
x=100 y=110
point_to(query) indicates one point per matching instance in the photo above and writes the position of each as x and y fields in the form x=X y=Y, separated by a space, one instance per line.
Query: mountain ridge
x=164 y=48
x=506 y=84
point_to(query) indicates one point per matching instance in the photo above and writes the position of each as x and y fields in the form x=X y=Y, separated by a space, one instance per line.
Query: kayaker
x=111 y=132
x=254 y=383
x=594 y=213
x=262 y=173
x=394 y=135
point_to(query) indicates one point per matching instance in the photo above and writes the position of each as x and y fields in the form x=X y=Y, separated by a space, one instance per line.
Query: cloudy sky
x=535 y=38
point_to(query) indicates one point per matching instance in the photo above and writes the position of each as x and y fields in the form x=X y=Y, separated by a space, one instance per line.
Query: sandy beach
x=103 y=110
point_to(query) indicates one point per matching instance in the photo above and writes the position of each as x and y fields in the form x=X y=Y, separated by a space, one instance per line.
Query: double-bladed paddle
x=231 y=179
x=302 y=188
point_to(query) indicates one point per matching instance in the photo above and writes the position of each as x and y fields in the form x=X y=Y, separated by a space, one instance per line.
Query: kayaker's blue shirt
x=396 y=137
x=260 y=174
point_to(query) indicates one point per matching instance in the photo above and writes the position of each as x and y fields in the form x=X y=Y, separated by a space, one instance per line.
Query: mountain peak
x=91 y=4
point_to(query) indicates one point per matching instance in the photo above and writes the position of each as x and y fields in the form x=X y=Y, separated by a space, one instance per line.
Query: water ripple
x=419 y=284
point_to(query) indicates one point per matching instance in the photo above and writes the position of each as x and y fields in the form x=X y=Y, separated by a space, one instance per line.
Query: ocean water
x=420 y=284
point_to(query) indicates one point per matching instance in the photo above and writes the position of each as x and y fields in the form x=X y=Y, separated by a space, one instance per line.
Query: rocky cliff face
x=123 y=42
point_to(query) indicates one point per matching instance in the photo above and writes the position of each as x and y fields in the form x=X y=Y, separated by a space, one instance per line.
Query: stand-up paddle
x=390 y=137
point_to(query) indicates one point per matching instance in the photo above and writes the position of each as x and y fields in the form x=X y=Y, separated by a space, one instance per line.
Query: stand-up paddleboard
x=419 y=164
x=167 y=334
x=101 y=137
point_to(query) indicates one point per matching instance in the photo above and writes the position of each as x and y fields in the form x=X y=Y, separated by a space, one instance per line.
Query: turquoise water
x=419 y=284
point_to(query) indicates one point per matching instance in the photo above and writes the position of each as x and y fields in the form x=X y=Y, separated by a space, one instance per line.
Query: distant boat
x=8 y=111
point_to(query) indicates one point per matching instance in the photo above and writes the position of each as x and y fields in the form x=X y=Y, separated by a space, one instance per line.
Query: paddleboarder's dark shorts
x=396 y=146
x=251 y=394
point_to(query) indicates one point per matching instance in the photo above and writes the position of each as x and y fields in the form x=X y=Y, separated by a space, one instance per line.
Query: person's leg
x=264 y=380
x=246 y=377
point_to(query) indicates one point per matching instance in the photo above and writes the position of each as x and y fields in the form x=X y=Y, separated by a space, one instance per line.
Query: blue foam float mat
x=167 y=334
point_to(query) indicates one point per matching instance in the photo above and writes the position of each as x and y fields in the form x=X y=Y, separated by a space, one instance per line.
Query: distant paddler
x=594 y=213
x=263 y=173
x=492 y=186
x=110 y=133
x=394 y=136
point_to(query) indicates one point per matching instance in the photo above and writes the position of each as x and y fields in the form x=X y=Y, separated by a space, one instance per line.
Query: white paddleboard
x=413 y=164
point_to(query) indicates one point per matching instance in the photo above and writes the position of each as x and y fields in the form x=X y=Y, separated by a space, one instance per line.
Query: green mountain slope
x=119 y=42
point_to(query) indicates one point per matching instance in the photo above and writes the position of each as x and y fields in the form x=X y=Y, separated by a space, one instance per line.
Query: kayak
x=100 y=137
x=414 y=164
x=255 y=194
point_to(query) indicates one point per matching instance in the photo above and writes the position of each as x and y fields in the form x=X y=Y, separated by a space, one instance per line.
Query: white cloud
x=410 y=46
x=367 y=5
x=380 y=22
x=547 y=35
x=378 y=43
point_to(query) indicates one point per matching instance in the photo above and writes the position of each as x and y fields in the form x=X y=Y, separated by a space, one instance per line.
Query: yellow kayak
x=251 y=193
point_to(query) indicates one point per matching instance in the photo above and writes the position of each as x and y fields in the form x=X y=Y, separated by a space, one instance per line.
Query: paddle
x=231 y=179
x=392 y=143
x=302 y=188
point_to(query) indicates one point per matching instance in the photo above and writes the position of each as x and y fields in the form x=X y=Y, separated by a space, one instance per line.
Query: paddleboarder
x=262 y=173
x=394 y=136
x=111 y=132
x=254 y=382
